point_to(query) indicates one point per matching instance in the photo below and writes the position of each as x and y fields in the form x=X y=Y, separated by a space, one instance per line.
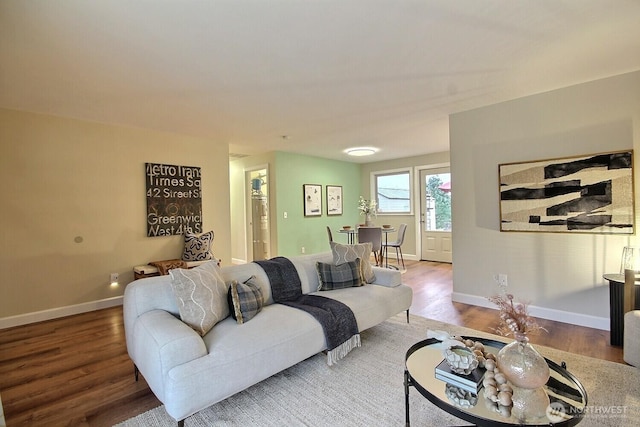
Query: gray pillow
x=345 y=253
x=202 y=296
x=341 y=276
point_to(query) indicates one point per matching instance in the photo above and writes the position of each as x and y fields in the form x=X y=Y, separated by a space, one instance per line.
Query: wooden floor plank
x=75 y=371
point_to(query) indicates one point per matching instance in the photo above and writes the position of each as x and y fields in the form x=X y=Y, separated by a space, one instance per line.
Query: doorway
x=258 y=227
x=435 y=215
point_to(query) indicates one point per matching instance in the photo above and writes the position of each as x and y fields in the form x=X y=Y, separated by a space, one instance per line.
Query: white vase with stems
x=368 y=209
x=368 y=222
x=525 y=369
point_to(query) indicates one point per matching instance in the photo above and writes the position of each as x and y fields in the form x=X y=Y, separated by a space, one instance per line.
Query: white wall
x=560 y=274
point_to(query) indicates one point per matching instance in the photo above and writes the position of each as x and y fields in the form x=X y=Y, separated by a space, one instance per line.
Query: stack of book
x=471 y=383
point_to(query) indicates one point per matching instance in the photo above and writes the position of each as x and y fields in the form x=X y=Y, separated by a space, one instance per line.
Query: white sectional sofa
x=188 y=372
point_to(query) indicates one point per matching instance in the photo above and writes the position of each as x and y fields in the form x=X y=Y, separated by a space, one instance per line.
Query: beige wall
x=559 y=273
x=410 y=247
x=64 y=180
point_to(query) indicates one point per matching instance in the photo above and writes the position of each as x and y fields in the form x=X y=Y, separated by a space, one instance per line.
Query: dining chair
x=397 y=245
x=373 y=235
x=329 y=233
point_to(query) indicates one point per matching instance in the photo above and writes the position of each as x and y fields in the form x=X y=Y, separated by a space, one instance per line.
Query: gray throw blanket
x=337 y=320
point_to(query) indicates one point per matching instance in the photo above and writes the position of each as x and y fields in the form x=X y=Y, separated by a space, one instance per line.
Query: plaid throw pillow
x=245 y=300
x=341 y=276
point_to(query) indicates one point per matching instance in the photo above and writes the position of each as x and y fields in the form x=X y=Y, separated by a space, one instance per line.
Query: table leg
x=406 y=398
x=616 y=315
x=386 y=249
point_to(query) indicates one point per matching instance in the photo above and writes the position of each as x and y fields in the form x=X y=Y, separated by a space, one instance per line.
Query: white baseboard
x=407 y=257
x=586 y=320
x=236 y=261
x=54 y=313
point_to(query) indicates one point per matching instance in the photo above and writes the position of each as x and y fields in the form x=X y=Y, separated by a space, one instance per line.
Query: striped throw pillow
x=345 y=253
x=200 y=293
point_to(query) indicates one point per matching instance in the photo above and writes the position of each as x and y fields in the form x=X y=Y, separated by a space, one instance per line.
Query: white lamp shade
x=630 y=259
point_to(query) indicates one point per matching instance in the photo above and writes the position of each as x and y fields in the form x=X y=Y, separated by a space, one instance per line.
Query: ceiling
x=327 y=74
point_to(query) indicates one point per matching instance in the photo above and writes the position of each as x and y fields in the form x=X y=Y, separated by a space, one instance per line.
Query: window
x=437 y=190
x=393 y=192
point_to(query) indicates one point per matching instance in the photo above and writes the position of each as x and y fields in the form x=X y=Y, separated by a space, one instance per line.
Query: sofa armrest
x=161 y=342
x=387 y=277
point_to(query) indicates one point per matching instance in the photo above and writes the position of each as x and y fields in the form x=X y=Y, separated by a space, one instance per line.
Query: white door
x=435 y=215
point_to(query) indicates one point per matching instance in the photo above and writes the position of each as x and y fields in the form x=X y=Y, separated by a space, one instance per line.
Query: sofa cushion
x=197 y=247
x=341 y=276
x=245 y=300
x=345 y=253
x=201 y=295
x=306 y=266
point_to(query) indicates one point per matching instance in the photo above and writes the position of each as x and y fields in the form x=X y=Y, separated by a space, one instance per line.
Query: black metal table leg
x=407 y=422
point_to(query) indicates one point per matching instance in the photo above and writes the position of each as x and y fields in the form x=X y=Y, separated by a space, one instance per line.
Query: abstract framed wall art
x=585 y=194
x=312 y=199
x=334 y=200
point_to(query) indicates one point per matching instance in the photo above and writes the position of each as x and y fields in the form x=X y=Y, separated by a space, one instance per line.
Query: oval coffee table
x=566 y=393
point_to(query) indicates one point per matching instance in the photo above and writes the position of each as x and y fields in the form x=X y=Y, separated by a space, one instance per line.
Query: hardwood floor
x=75 y=371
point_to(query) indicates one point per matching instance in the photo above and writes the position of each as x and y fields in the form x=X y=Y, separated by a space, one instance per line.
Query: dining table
x=352 y=233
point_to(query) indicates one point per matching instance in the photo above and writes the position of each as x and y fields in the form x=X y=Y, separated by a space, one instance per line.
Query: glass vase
x=528 y=372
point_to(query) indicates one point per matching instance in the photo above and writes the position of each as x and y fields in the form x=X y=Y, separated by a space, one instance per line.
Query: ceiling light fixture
x=361 y=151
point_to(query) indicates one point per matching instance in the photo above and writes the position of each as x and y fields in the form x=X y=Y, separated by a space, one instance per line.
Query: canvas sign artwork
x=587 y=194
x=174 y=199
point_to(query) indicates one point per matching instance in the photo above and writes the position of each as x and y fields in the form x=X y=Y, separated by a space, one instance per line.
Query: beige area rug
x=366 y=388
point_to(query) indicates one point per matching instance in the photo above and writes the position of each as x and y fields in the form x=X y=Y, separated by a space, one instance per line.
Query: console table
x=152 y=269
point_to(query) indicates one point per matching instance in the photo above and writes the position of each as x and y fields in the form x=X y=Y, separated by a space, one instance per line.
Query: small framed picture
x=334 y=200
x=312 y=194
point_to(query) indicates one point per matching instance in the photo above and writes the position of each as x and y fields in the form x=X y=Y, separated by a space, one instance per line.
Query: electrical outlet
x=502 y=280
x=302 y=250
x=113 y=278
x=285 y=215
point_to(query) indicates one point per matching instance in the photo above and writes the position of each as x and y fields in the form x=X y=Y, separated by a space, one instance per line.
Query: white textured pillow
x=346 y=253
x=202 y=296
x=197 y=247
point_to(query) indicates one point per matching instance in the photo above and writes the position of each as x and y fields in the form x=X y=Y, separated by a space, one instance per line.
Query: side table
x=616 y=310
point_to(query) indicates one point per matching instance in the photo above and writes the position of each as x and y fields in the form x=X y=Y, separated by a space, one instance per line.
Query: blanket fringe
x=343 y=349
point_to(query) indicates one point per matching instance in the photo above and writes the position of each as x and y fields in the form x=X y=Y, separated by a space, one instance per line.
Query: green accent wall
x=292 y=171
